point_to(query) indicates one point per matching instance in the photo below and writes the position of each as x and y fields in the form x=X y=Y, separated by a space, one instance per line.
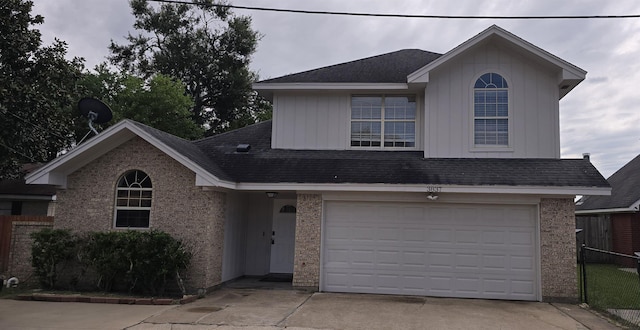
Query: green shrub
x=108 y=253
x=158 y=258
x=143 y=261
x=50 y=251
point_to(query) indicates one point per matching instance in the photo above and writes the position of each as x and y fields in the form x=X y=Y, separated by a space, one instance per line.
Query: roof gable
x=569 y=77
x=183 y=151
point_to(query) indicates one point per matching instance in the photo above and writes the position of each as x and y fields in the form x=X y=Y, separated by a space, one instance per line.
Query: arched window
x=133 y=200
x=288 y=209
x=491 y=111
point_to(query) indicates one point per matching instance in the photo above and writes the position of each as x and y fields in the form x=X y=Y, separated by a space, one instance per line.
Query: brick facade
x=558 y=250
x=20 y=251
x=178 y=207
x=306 y=267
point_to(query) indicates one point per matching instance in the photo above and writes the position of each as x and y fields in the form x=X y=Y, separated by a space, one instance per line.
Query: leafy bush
x=142 y=260
x=50 y=251
x=108 y=253
x=158 y=258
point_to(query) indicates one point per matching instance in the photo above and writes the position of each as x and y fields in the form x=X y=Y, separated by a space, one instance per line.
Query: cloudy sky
x=601 y=116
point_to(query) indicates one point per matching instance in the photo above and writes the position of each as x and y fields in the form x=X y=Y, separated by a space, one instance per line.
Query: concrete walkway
x=247 y=309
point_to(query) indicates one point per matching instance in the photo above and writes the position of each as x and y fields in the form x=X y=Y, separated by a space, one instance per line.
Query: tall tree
x=212 y=59
x=159 y=101
x=37 y=90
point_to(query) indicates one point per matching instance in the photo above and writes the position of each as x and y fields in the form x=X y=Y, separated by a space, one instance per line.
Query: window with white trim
x=133 y=200
x=383 y=121
x=491 y=111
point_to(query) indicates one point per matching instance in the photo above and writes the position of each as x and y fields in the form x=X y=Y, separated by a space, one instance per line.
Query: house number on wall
x=434 y=189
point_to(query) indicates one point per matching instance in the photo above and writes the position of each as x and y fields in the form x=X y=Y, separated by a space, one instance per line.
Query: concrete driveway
x=248 y=309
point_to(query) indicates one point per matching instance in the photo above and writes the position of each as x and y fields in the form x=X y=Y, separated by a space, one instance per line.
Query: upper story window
x=491 y=111
x=133 y=200
x=383 y=121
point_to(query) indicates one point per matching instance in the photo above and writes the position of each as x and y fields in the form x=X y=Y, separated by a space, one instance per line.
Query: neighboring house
x=19 y=198
x=22 y=206
x=405 y=173
x=615 y=219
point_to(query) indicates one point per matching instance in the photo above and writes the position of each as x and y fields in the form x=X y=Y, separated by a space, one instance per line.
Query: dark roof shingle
x=265 y=165
x=392 y=67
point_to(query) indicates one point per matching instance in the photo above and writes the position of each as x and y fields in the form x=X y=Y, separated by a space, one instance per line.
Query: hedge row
x=140 y=261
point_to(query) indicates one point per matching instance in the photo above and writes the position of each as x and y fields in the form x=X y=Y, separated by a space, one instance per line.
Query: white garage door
x=449 y=250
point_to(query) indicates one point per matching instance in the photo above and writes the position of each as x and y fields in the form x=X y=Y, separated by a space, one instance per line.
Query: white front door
x=283 y=236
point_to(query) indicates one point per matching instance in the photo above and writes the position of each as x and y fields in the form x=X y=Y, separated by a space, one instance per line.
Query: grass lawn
x=610 y=287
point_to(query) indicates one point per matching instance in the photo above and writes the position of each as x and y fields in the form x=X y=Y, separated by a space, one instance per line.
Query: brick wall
x=306 y=268
x=20 y=251
x=558 y=250
x=178 y=207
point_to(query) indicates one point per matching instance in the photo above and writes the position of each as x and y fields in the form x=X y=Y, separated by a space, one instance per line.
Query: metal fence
x=612 y=287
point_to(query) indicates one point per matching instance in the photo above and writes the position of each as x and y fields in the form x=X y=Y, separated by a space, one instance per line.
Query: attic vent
x=243 y=147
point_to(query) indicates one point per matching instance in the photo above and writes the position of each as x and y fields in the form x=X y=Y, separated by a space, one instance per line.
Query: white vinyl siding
x=322 y=120
x=533 y=105
x=448 y=250
x=317 y=121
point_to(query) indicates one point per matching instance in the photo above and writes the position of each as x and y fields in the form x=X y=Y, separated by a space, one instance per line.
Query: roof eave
x=328 y=86
x=385 y=187
x=635 y=207
x=603 y=211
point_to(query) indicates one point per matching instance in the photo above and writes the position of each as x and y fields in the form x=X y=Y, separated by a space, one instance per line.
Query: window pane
x=491 y=80
x=132 y=218
x=491 y=131
x=399 y=107
x=366 y=107
x=491 y=110
x=502 y=110
x=365 y=133
x=399 y=134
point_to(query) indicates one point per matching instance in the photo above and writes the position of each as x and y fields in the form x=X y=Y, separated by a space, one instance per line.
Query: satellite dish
x=94 y=110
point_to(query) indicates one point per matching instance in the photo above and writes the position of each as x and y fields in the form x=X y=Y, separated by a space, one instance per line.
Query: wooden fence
x=596 y=233
x=6 y=226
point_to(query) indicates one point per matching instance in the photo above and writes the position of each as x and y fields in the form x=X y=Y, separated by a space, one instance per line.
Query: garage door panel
x=444 y=250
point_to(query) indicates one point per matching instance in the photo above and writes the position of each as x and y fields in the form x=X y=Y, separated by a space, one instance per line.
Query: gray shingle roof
x=187 y=149
x=265 y=165
x=386 y=68
x=625 y=189
x=218 y=155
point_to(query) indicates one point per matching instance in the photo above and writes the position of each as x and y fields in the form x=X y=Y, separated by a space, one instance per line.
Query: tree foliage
x=158 y=101
x=184 y=41
x=37 y=90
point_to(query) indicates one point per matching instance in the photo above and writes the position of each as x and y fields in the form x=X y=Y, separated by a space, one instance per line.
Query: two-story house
x=405 y=173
